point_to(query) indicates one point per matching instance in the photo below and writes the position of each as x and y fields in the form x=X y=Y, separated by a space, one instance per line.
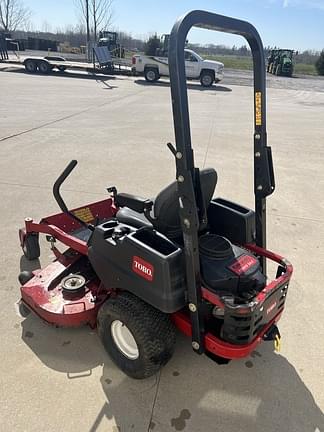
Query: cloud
x=309 y=4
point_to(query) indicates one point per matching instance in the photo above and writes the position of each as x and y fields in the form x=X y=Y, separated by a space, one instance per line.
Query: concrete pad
x=61 y=379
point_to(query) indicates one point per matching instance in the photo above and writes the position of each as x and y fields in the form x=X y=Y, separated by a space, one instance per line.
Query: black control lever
x=59 y=199
x=172 y=149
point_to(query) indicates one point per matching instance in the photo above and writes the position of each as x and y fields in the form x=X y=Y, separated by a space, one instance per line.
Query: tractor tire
x=31 y=66
x=31 y=247
x=207 y=78
x=139 y=338
x=151 y=74
x=278 y=70
x=44 y=67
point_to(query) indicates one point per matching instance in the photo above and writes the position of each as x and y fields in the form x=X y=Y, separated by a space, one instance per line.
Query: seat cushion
x=166 y=207
x=166 y=204
x=130 y=217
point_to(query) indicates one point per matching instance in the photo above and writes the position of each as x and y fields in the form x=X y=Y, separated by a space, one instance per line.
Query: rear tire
x=31 y=247
x=31 y=66
x=207 y=78
x=139 y=338
x=44 y=67
x=151 y=75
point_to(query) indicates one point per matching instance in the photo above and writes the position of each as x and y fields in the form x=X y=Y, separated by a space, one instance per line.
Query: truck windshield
x=189 y=54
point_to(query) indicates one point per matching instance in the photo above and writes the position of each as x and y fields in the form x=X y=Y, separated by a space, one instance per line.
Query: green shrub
x=320 y=64
x=152 y=45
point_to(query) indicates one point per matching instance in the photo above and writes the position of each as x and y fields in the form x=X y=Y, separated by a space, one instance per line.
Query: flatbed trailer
x=103 y=63
x=45 y=65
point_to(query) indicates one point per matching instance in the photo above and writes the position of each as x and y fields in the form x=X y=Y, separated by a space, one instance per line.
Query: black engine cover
x=228 y=269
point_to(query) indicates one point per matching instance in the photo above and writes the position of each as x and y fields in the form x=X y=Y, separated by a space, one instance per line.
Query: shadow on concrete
x=69 y=74
x=189 y=86
x=262 y=393
x=74 y=351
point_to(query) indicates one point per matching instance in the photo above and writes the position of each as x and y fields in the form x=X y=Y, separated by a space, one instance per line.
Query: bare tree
x=13 y=14
x=100 y=14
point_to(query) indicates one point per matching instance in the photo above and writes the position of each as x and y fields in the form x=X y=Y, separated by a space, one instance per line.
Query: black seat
x=165 y=213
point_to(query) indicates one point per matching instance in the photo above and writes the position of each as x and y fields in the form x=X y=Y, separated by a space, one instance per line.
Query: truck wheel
x=151 y=74
x=30 y=66
x=139 y=338
x=278 y=70
x=206 y=78
x=30 y=246
x=44 y=67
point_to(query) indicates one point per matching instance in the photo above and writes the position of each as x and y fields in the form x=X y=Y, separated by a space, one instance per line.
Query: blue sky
x=297 y=24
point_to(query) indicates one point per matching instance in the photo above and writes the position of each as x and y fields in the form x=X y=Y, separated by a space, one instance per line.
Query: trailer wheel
x=151 y=74
x=139 y=338
x=44 y=67
x=30 y=66
x=207 y=78
x=31 y=247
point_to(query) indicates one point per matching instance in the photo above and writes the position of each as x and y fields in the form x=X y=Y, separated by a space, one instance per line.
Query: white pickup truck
x=153 y=67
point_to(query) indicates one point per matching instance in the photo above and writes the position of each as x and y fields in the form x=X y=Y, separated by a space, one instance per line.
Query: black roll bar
x=186 y=171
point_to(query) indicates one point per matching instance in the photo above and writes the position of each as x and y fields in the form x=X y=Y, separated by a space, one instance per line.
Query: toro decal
x=143 y=268
x=271 y=307
x=242 y=264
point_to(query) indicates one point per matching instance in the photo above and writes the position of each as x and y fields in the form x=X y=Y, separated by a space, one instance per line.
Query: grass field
x=245 y=63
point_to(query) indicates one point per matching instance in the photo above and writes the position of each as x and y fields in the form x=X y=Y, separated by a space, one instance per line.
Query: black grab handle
x=58 y=196
x=56 y=188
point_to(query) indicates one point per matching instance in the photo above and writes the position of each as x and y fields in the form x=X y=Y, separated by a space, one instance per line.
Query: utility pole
x=88 y=30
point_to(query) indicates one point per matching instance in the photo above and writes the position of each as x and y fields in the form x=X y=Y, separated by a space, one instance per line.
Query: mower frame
x=63 y=226
x=187 y=174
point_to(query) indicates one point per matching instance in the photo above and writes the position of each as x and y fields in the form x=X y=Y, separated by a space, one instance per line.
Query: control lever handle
x=57 y=195
x=172 y=149
x=56 y=188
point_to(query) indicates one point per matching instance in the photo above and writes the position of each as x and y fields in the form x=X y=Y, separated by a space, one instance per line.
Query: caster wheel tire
x=31 y=247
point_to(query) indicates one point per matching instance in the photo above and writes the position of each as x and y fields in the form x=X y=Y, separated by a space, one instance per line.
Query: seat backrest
x=166 y=204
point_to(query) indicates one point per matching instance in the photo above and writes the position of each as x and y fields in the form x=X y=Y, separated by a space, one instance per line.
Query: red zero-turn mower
x=137 y=268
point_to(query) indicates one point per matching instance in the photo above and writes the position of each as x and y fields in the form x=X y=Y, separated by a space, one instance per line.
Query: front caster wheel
x=139 y=338
x=30 y=246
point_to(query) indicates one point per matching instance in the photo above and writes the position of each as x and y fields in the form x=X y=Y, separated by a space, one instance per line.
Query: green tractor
x=110 y=40
x=280 y=62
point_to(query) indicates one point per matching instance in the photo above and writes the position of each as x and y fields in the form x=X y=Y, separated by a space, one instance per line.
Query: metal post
x=88 y=30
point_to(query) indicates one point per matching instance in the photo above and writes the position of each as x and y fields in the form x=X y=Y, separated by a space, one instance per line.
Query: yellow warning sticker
x=84 y=214
x=258 y=114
